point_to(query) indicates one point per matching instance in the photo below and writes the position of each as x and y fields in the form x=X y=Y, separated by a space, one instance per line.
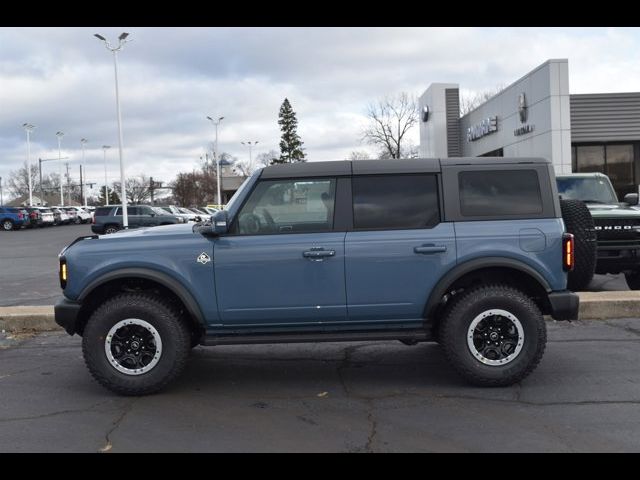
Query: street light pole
x=215 y=156
x=82 y=142
x=121 y=41
x=29 y=128
x=106 y=188
x=250 y=145
x=60 y=135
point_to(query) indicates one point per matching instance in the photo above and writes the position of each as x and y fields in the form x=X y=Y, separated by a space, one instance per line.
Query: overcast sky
x=172 y=78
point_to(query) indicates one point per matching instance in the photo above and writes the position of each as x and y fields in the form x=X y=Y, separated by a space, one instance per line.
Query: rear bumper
x=66 y=314
x=564 y=305
x=99 y=229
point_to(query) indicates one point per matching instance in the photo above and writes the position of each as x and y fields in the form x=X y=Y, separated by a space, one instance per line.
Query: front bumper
x=66 y=314
x=564 y=305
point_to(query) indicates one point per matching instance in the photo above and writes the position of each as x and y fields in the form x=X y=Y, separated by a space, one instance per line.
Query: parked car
x=210 y=210
x=60 y=216
x=35 y=217
x=13 y=218
x=109 y=219
x=78 y=215
x=46 y=216
x=174 y=210
x=467 y=252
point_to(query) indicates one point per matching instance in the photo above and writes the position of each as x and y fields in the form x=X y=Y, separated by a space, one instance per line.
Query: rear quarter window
x=499 y=192
x=102 y=211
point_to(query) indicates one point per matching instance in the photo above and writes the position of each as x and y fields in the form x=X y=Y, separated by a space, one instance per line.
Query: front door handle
x=318 y=254
x=428 y=249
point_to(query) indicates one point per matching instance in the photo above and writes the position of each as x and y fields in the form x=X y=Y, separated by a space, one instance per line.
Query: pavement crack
x=52 y=414
x=127 y=409
x=347 y=363
x=374 y=429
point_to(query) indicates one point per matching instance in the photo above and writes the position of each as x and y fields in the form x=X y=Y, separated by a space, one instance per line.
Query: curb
x=14 y=319
x=593 y=306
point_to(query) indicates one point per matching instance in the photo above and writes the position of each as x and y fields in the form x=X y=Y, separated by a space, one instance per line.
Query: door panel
x=283 y=279
x=389 y=274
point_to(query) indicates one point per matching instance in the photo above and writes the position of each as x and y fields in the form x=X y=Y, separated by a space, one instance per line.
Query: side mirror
x=631 y=198
x=220 y=223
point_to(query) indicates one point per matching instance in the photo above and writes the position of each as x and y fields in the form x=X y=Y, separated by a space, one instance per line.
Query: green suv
x=617 y=225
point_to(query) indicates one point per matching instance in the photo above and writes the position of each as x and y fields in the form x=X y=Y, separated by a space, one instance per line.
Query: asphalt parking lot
x=351 y=397
x=29 y=263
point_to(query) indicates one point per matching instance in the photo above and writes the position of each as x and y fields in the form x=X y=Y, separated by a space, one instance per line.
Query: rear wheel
x=135 y=344
x=493 y=335
x=111 y=229
x=7 y=225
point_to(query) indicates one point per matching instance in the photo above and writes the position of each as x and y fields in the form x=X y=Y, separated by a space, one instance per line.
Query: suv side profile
x=12 y=218
x=109 y=219
x=467 y=252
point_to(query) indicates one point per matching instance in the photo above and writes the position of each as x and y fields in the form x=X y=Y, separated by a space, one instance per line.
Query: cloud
x=172 y=78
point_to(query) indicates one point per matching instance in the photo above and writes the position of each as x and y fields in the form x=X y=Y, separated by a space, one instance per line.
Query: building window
x=614 y=160
x=590 y=158
x=620 y=168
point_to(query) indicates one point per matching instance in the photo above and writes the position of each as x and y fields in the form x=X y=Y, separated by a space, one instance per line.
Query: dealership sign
x=523 y=112
x=486 y=127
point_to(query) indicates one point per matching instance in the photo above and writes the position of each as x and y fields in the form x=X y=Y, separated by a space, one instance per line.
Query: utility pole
x=82 y=198
x=151 y=189
x=68 y=185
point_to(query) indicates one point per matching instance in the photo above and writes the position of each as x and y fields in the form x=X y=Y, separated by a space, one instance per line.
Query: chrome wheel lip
x=114 y=362
x=489 y=313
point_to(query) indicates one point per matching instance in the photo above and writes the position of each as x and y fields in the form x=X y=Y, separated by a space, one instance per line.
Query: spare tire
x=579 y=222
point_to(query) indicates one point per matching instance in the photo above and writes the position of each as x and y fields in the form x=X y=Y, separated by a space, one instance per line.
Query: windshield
x=587 y=189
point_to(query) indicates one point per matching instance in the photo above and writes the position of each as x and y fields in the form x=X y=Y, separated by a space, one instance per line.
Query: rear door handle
x=428 y=249
x=318 y=253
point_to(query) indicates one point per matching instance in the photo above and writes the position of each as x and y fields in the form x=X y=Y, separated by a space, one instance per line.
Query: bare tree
x=19 y=186
x=138 y=189
x=389 y=121
x=246 y=168
x=471 y=101
x=358 y=155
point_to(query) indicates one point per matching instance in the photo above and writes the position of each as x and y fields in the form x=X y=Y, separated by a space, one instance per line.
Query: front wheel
x=135 y=344
x=494 y=336
x=7 y=225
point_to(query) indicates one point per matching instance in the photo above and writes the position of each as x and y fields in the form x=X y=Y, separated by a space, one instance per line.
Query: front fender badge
x=203 y=258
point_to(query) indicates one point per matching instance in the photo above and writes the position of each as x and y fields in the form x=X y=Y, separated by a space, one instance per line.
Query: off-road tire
x=471 y=303
x=579 y=222
x=163 y=316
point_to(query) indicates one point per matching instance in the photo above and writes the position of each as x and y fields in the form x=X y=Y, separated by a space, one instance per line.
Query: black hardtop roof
x=372 y=167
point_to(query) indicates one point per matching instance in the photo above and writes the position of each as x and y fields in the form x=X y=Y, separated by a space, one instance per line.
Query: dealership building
x=536 y=116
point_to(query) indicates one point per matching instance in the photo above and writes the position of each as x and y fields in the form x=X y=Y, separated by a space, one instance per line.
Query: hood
x=613 y=210
x=164 y=230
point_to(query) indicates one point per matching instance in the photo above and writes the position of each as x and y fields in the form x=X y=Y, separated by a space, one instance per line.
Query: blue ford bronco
x=467 y=252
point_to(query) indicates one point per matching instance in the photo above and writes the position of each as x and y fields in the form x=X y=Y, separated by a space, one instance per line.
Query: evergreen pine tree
x=290 y=144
